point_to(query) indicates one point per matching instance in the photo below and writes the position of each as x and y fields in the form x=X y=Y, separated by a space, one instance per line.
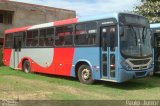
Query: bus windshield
x=135 y=41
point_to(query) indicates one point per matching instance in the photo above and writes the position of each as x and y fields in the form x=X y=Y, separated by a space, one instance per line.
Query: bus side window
x=92 y=32
x=32 y=38
x=49 y=41
x=9 y=40
x=86 y=34
x=29 y=38
x=18 y=40
x=64 y=36
x=46 y=38
x=35 y=38
x=24 y=39
x=42 y=37
x=80 y=35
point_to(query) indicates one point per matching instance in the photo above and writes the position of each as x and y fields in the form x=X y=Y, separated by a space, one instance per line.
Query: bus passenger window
x=35 y=38
x=29 y=38
x=64 y=36
x=86 y=34
x=18 y=40
x=9 y=40
x=92 y=32
x=24 y=39
x=46 y=38
x=42 y=37
x=49 y=41
x=32 y=38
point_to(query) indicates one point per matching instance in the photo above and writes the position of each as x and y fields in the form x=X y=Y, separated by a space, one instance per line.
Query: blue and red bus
x=111 y=47
x=156 y=45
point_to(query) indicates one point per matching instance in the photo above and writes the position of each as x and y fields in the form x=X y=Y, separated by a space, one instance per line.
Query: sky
x=88 y=7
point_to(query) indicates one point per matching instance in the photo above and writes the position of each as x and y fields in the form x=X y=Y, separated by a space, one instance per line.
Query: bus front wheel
x=85 y=74
x=26 y=66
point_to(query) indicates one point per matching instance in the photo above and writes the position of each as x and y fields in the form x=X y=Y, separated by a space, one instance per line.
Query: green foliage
x=149 y=9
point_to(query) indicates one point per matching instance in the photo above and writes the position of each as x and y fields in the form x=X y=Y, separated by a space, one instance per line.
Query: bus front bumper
x=127 y=75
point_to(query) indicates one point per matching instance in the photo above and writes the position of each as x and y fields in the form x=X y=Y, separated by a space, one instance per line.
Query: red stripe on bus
x=61 y=64
x=7 y=56
x=17 y=29
x=63 y=60
x=63 y=22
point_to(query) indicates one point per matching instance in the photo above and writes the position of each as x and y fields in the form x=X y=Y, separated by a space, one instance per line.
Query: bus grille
x=139 y=62
x=140 y=74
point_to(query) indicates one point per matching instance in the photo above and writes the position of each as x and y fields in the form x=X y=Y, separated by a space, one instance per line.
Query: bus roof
x=56 y=23
x=156 y=25
x=64 y=22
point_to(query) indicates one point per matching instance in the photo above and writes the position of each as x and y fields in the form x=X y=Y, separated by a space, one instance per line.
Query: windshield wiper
x=135 y=35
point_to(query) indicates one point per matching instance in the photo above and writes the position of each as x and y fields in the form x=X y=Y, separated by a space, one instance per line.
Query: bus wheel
x=26 y=66
x=85 y=74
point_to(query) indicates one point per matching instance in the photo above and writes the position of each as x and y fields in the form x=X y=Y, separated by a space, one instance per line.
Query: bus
x=111 y=47
x=156 y=45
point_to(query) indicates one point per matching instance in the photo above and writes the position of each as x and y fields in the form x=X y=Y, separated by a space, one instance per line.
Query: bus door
x=17 y=49
x=108 y=41
x=157 y=51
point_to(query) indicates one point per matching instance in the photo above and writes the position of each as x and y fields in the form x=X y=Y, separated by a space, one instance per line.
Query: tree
x=149 y=9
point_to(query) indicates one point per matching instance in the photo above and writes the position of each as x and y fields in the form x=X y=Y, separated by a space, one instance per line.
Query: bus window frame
x=46 y=34
x=4 y=45
x=73 y=33
x=80 y=23
x=32 y=38
x=97 y=44
x=22 y=46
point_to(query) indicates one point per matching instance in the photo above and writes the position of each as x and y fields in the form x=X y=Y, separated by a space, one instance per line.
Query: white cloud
x=88 y=7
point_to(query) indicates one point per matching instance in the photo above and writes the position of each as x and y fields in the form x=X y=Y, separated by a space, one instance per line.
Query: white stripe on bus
x=41 y=26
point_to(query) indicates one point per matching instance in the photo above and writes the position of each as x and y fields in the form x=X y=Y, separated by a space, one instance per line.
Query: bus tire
x=85 y=74
x=26 y=66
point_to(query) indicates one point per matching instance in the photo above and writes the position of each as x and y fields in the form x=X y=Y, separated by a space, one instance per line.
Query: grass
x=16 y=84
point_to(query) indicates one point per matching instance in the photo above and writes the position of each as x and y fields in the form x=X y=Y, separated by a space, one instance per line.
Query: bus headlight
x=125 y=65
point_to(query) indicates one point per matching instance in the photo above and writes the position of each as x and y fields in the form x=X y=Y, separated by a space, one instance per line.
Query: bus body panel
x=42 y=56
x=42 y=63
x=48 y=60
x=63 y=59
x=7 y=56
x=53 y=61
x=128 y=75
x=90 y=55
x=37 y=55
x=17 y=29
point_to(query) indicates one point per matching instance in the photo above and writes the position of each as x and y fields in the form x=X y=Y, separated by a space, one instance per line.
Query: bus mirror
x=121 y=31
x=121 y=23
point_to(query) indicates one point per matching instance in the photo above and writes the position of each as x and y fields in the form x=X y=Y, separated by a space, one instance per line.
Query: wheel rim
x=86 y=74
